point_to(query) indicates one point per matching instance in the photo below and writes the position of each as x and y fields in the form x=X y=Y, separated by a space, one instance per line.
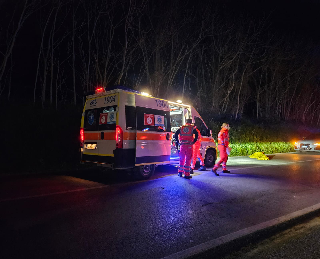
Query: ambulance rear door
x=153 y=139
x=179 y=113
x=208 y=145
x=100 y=128
x=108 y=116
x=198 y=121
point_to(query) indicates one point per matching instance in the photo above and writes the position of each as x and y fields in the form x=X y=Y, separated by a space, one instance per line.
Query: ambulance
x=125 y=129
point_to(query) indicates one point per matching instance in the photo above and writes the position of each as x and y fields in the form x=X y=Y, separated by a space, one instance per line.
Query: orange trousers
x=196 y=154
x=223 y=158
x=185 y=159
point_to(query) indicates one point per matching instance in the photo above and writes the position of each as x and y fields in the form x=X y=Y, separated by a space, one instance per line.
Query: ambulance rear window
x=100 y=118
x=130 y=117
x=152 y=120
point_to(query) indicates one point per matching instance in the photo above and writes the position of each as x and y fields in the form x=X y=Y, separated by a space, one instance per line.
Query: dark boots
x=215 y=172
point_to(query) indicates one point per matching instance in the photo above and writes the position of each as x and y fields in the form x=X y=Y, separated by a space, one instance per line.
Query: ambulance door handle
x=168 y=136
x=102 y=135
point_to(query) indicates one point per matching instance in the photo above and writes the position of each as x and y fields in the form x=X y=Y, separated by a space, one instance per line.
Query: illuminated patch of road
x=164 y=174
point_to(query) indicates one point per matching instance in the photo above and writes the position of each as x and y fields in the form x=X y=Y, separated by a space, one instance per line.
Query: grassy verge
x=246 y=149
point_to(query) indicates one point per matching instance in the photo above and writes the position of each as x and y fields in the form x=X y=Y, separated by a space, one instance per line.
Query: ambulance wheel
x=143 y=172
x=210 y=158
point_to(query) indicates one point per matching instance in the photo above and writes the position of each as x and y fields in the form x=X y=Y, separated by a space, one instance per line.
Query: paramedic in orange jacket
x=223 y=146
x=196 y=154
x=186 y=142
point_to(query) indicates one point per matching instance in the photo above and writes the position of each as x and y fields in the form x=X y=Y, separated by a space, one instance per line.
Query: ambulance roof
x=116 y=88
x=111 y=89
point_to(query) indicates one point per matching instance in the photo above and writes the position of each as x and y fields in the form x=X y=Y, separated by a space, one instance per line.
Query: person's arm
x=220 y=138
x=176 y=137
x=196 y=135
x=226 y=140
x=228 y=149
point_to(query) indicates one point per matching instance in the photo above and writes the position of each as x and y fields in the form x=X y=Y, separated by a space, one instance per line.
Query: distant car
x=309 y=143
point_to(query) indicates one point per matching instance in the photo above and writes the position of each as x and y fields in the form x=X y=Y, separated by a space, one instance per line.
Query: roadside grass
x=246 y=149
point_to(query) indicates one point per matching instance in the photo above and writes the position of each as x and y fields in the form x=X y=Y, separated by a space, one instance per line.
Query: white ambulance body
x=125 y=129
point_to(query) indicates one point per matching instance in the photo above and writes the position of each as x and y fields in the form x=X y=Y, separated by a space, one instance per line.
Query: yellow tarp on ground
x=259 y=156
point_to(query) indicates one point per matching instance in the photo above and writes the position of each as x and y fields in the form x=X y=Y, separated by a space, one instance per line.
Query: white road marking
x=240 y=233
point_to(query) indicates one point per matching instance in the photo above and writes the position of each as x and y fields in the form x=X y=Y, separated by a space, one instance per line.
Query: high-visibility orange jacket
x=186 y=134
x=223 y=137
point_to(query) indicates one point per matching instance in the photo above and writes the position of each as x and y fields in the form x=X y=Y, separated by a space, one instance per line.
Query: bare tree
x=25 y=9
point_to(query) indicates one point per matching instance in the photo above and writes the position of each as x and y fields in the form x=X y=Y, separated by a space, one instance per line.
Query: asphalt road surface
x=300 y=241
x=93 y=214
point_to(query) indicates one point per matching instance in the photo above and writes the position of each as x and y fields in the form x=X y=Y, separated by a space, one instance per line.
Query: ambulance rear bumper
x=122 y=159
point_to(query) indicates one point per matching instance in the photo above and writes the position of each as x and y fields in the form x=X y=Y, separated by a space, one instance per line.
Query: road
x=300 y=241
x=95 y=215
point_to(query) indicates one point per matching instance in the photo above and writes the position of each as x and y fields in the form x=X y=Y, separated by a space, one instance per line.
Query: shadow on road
x=112 y=177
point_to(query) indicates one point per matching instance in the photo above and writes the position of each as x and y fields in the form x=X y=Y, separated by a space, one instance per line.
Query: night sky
x=295 y=17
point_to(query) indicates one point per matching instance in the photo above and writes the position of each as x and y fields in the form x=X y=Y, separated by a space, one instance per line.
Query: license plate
x=90 y=146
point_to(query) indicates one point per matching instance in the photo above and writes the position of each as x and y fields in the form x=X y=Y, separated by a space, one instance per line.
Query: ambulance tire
x=210 y=158
x=143 y=172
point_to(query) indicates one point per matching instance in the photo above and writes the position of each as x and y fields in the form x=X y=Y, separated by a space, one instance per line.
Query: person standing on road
x=187 y=140
x=196 y=154
x=224 y=149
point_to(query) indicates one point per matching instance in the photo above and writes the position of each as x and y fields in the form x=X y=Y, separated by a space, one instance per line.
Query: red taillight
x=99 y=90
x=119 y=137
x=81 y=134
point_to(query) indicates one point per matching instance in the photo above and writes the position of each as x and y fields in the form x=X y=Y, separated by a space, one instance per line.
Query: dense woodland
x=226 y=61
